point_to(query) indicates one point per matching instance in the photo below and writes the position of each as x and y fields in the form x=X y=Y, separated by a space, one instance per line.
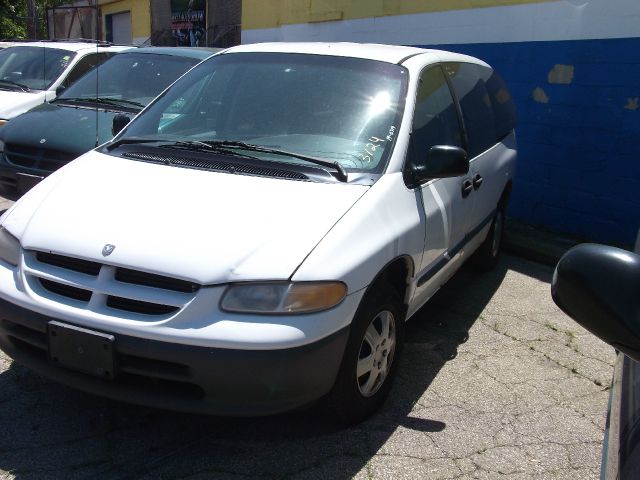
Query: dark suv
x=45 y=138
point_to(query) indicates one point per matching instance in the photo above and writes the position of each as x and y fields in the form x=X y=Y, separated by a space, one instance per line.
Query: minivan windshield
x=32 y=68
x=129 y=79
x=340 y=109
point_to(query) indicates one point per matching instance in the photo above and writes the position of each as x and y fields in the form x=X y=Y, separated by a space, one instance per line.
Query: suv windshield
x=129 y=79
x=340 y=109
x=32 y=68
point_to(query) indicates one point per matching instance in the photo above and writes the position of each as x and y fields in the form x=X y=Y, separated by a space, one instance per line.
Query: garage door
x=120 y=28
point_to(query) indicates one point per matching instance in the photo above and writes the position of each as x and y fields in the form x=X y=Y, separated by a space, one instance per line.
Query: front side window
x=340 y=109
x=32 y=68
x=435 y=119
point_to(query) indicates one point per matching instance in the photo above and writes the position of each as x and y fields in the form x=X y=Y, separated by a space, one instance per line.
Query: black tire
x=351 y=401
x=486 y=256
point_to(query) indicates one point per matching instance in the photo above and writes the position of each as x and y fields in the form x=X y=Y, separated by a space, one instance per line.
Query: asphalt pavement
x=495 y=383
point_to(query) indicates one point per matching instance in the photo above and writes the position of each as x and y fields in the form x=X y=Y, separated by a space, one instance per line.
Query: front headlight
x=2 y=122
x=9 y=248
x=283 y=297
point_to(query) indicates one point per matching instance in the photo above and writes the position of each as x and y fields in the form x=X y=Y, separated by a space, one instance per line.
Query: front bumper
x=184 y=377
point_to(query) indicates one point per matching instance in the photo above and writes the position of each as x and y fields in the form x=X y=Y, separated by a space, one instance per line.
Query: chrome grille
x=37 y=158
x=100 y=287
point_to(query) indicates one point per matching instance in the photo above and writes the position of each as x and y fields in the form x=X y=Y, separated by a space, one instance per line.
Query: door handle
x=477 y=181
x=467 y=187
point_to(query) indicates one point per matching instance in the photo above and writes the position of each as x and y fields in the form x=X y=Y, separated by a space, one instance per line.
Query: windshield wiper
x=181 y=144
x=340 y=174
x=197 y=145
x=131 y=141
x=21 y=86
x=102 y=100
x=121 y=100
x=227 y=147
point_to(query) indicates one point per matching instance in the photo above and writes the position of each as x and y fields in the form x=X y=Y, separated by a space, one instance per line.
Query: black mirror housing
x=443 y=161
x=60 y=89
x=119 y=122
x=599 y=287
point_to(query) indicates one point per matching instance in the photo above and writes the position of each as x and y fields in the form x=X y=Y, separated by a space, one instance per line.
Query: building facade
x=196 y=23
x=573 y=67
x=126 y=21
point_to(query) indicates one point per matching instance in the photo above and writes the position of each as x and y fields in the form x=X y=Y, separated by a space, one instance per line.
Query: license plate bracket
x=82 y=350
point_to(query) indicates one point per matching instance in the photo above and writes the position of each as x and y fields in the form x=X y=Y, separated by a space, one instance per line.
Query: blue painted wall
x=579 y=154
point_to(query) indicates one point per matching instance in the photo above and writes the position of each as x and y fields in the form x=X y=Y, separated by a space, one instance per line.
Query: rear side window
x=504 y=109
x=475 y=103
x=435 y=120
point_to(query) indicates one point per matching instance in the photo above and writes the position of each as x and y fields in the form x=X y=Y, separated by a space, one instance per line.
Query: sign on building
x=188 y=22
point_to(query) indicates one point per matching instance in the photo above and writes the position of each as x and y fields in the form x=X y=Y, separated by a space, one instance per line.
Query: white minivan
x=255 y=239
x=32 y=73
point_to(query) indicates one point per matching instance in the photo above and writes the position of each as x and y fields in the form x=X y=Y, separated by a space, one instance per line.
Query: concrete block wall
x=578 y=135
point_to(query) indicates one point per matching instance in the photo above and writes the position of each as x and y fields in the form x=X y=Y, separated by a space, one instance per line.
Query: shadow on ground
x=50 y=431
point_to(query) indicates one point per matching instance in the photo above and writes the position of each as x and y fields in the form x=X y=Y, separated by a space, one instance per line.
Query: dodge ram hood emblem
x=108 y=249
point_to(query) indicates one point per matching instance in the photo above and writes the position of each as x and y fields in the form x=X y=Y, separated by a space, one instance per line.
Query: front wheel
x=371 y=357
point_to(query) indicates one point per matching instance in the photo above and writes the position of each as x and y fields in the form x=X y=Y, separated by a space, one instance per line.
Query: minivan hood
x=63 y=128
x=14 y=103
x=202 y=226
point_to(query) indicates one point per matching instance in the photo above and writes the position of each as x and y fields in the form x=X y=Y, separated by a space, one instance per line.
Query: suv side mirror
x=443 y=161
x=598 y=286
x=60 y=89
x=119 y=122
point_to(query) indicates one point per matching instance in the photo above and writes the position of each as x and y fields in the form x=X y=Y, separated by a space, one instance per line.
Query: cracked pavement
x=495 y=383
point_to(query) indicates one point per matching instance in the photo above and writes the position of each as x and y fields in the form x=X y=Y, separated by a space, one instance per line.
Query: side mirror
x=119 y=122
x=599 y=287
x=443 y=161
x=60 y=89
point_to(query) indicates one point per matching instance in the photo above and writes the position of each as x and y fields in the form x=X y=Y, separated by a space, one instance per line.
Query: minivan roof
x=370 y=51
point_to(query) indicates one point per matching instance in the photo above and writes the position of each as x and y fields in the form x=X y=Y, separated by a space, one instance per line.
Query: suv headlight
x=282 y=297
x=9 y=248
x=2 y=122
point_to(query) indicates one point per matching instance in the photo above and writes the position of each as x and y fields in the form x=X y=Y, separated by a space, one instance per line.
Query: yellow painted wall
x=273 y=13
x=140 y=15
